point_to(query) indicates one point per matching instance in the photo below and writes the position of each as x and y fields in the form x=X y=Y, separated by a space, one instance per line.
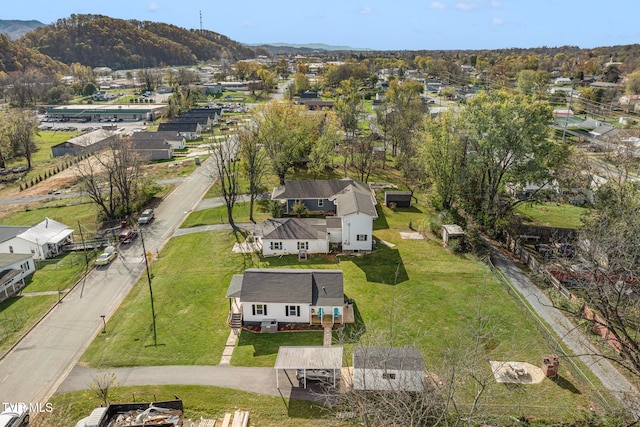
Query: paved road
x=572 y=337
x=32 y=371
x=255 y=380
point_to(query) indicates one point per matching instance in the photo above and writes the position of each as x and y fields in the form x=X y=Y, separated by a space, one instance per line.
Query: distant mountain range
x=14 y=29
x=314 y=46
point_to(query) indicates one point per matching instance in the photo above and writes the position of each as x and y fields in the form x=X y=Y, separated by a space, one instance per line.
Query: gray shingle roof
x=167 y=135
x=394 y=358
x=294 y=229
x=315 y=287
x=178 y=127
x=10 y=259
x=150 y=144
x=9 y=232
x=349 y=194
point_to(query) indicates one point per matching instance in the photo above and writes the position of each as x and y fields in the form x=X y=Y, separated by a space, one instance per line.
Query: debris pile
x=152 y=416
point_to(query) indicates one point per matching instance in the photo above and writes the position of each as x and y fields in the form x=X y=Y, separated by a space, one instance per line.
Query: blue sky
x=375 y=24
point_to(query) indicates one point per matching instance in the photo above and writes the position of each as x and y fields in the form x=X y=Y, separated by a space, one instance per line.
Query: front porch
x=328 y=319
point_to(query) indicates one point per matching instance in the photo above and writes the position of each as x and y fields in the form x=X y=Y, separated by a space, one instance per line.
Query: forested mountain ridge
x=101 y=41
x=16 y=57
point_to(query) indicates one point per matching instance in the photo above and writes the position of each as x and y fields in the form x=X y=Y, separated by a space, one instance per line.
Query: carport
x=308 y=357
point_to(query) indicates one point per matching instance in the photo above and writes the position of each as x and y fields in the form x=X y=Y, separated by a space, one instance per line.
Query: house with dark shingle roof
x=288 y=296
x=285 y=236
x=190 y=130
x=176 y=140
x=152 y=148
x=352 y=201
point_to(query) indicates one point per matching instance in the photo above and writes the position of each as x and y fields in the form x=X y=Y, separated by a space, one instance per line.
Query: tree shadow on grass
x=385 y=265
x=412 y=209
x=380 y=223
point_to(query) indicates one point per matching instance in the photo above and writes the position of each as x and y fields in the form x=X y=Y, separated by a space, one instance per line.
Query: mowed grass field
x=552 y=214
x=418 y=292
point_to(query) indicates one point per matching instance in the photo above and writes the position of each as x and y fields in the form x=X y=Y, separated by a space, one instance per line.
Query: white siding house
x=288 y=296
x=292 y=235
x=349 y=205
x=44 y=240
x=13 y=270
x=388 y=369
x=357 y=232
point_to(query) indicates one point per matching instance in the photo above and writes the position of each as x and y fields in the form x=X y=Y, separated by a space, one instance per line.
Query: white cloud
x=497 y=21
x=496 y=4
x=437 y=5
x=366 y=11
x=153 y=7
x=465 y=5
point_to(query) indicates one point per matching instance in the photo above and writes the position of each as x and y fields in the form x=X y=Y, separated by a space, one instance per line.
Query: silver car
x=146 y=216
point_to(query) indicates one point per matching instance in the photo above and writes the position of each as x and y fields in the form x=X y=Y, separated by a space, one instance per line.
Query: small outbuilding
x=397 y=199
x=388 y=369
x=306 y=358
x=451 y=231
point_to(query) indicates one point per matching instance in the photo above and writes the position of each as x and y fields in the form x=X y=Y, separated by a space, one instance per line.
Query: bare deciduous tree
x=254 y=162
x=225 y=172
x=102 y=384
x=111 y=178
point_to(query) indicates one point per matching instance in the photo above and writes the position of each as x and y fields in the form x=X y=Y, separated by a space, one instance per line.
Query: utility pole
x=566 y=121
x=153 y=311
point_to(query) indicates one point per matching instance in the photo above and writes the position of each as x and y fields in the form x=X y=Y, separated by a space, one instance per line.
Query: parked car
x=107 y=256
x=322 y=375
x=146 y=216
x=15 y=415
x=127 y=235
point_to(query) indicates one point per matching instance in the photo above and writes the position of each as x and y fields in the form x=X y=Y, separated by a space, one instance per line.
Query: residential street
x=33 y=370
x=572 y=337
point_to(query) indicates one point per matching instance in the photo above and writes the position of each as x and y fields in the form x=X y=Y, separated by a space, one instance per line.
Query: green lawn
x=552 y=214
x=255 y=349
x=218 y=215
x=189 y=285
x=85 y=213
x=199 y=401
x=18 y=314
x=430 y=296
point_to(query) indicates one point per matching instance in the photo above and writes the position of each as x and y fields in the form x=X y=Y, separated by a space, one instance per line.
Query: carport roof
x=309 y=357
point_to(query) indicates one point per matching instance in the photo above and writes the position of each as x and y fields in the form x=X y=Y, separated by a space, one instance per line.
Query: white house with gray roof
x=350 y=207
x=286 y=236
x=44 y=240
x=288 y=296
x=13 y=270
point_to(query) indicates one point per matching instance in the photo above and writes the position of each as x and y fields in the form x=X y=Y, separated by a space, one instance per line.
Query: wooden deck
x=328 y=319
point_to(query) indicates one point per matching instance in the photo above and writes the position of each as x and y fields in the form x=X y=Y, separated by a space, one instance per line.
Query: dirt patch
x=516 y=372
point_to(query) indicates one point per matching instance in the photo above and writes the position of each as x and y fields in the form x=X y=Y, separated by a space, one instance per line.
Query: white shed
x=388 y=368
